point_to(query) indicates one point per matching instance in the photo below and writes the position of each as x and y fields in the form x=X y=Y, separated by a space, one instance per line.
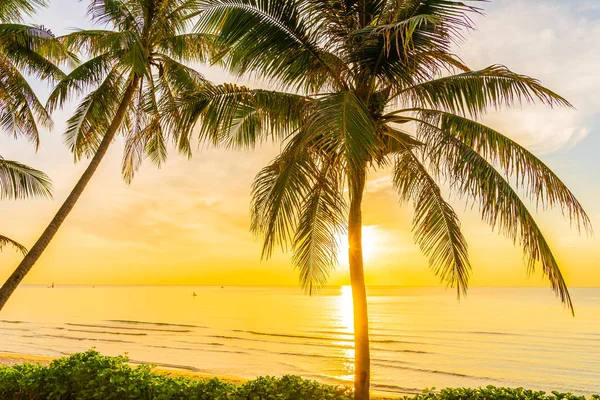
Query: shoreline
x=10 y=359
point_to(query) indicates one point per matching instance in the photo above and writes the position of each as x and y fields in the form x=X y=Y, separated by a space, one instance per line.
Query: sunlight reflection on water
x=346 y=316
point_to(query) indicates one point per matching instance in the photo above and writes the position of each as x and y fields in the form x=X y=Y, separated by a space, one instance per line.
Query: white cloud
x=554 y=42
x=383 y=183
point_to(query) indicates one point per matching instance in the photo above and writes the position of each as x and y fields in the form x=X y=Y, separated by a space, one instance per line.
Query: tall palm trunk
x=362 y=357
x=38 y=248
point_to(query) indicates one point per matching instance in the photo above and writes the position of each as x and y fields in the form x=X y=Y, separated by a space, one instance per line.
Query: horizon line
x=296 y=286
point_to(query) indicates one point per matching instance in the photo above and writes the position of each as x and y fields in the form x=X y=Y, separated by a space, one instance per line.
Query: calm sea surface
x=420 y=337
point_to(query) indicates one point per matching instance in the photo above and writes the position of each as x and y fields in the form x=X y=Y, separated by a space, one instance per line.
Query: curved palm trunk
x=38 y=248
x=362 y=357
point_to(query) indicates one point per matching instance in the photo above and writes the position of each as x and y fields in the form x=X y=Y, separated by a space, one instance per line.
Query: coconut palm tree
x=23 y=50
x=367 y=84
x=132 y=72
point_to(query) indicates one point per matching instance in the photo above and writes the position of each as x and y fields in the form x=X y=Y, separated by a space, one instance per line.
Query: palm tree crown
x=23 y=50
x=145 y=51
x=369 y=84
x=379 y=88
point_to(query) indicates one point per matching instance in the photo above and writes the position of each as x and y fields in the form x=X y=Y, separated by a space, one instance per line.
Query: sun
x=372 y=240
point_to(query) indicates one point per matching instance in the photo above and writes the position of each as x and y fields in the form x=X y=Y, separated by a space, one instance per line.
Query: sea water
x=420 y=337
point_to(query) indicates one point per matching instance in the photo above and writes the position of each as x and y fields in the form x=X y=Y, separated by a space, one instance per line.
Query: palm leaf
x=322 y=220
x=239 y=117
x=342 y=120
x=272 y=38
x=475 y=91
x=435 y=224
x=93 y=116
x=278 y=193
x=87 y=75
x=540 y=183
x=500 y=206
x=15 y=10
x=4 y=241
x=18 y=181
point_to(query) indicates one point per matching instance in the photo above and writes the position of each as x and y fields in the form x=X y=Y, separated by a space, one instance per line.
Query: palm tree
x=23 y=50
x=133 y=72
x=366 y=84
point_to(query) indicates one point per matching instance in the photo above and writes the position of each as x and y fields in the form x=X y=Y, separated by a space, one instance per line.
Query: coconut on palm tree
x=24 y=51
x=134 y=70
x=368 y=84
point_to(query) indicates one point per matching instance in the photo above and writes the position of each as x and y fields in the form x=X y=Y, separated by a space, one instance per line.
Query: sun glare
x=372 y=240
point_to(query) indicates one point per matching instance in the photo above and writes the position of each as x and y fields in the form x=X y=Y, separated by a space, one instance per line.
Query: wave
x=395 y=389
x=79 y=338
x=105 y=332
x=15 y=329
x=132 y=328
x=329 y=339
x=197 y=349
x=125 y=321
x=402 y=350
x=432 y=371
x=247 y=339
x=12 y=322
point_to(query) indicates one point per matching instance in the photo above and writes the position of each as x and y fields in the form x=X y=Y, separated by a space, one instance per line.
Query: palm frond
x=278 y=193
x=5 y=241
x=121 y=14
x=270 y=38
x=87 y=75
x=343 y=121
x=540 y=183
x=93 y=116
x=18 y=181
x=33 y=50
x=94 y=42
x=15 y=10
x=471 y=93
x=322 y=220
x=20 y=108
x=240 y=117
x=474 y=177
x=189 y=47
x=435 y=224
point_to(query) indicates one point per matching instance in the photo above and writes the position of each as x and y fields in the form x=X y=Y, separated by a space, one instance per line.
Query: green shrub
x=287 y=388
x=494 y=393
x=90 y=375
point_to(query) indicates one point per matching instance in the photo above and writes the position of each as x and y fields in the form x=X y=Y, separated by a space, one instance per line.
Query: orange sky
x=188 y=222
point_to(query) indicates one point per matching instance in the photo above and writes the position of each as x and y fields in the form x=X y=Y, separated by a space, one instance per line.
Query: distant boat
x=51 y=287
x=221 y=287
x=194 y=294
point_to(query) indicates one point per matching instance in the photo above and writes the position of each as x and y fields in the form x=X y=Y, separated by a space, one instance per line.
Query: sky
x=188 y=223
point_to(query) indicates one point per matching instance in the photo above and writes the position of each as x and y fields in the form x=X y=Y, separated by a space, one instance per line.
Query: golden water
x=421 y=337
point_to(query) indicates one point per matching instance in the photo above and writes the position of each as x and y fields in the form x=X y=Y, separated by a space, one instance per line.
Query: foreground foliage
x=495 y=393
x=93 y=376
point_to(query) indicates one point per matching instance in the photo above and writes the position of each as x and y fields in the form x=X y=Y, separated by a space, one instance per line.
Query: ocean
x=420 y=337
